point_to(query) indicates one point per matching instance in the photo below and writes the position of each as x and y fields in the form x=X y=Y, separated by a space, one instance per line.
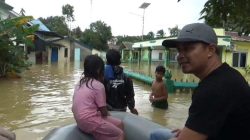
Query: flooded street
x=41 y=100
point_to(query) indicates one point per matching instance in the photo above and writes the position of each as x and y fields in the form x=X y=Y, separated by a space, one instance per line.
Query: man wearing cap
x=220 y=108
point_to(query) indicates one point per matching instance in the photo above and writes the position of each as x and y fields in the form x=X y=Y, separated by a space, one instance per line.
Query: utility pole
x=143 y=6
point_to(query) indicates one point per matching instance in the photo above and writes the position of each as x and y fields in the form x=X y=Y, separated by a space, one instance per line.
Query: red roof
x=236 y=37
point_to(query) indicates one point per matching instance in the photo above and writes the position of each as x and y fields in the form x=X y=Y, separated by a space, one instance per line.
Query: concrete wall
x=4 y=13
x=32 y=57
x=155 y=55
x=84 y=51
x=241 y=46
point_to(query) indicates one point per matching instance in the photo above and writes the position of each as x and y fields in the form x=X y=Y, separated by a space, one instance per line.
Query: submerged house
x=45 y=47
x=238 y=56
x=126 y=49
x=51 y=47
x=153 y=51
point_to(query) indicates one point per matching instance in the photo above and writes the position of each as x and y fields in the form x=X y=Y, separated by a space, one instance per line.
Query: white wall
x=155 y=55
x=32 y=57
x=4 y=14
x=61 y=50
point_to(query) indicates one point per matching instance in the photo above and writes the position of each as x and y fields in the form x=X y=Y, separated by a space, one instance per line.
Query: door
x=77 y=54
x=54 y=54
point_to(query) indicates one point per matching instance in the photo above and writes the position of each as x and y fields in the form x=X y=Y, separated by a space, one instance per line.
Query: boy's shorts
x=163 y=104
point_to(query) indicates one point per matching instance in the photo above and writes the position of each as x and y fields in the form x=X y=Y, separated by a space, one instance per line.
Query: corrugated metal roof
x=150 y=43
x=153 y=44
x=42 y=27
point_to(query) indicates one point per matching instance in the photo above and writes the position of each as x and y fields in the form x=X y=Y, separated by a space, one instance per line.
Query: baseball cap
x=195 y=32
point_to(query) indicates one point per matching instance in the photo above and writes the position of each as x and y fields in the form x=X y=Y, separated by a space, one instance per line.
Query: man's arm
x=189 y=134
x=130 y=96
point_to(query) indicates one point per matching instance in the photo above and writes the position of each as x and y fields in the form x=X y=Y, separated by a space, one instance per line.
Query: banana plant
x=15 y=33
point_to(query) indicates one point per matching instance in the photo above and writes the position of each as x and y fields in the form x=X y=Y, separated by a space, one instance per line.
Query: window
x=239 y=59
x=66 y=52
x=160 y=56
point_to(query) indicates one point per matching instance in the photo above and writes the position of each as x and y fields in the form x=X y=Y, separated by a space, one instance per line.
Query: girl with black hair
x=89 y=103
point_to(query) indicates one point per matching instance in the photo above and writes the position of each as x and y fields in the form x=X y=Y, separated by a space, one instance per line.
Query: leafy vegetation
x=13 y=35
x=174 y=31
x=247 y=69
x=97 y=36
x=233 y=15
x=56 y=24
x=68 y=11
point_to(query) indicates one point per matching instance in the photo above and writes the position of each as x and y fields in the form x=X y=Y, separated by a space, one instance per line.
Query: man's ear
x=211 y=50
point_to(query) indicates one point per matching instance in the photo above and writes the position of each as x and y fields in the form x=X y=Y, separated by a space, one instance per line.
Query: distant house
x=52 y=48
x=238 y=55
x=152 y=50
x=6 y=11
x=45 y=49
x=126 y=49
x=78 y=50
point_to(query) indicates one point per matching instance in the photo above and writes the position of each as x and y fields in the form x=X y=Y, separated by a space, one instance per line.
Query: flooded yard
x=41 y=100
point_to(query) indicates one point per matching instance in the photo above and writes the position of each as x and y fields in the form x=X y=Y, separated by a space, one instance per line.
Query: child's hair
x=160 y=68
x=113 y=57
x=93 y=69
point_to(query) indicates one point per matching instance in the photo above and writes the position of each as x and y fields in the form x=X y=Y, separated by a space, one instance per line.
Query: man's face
x=192 y=57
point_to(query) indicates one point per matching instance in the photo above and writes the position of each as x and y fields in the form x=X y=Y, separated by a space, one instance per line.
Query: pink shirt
x=86 y=101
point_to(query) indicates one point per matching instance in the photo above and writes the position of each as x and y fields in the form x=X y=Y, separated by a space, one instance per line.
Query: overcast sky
x=124 y=16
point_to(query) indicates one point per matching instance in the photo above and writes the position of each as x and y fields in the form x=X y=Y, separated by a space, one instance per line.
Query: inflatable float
x=135 y=128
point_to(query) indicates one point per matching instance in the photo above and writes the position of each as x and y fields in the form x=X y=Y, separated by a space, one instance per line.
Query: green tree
x=127 y=39
x=14 y=33
x=233 y=15
x=56 y=24
x=160 y=33
x=174 y=31
x=97 y=36
x=68 y=11
x=151 y=35
x=77 y=32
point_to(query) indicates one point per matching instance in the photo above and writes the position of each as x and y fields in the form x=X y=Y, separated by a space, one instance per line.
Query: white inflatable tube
x=135 y=128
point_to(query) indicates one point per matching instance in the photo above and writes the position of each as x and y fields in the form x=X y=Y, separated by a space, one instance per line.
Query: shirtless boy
x=159 y=94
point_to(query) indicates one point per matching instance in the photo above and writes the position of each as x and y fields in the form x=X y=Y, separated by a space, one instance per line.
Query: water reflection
x=41 y=100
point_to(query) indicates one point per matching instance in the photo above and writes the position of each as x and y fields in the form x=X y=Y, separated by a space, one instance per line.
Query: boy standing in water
x=159 y=94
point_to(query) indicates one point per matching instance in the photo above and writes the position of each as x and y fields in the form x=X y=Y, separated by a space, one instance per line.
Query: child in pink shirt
x=89 y=103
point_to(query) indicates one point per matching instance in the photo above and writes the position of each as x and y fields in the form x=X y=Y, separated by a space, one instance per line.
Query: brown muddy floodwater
x=41 y=100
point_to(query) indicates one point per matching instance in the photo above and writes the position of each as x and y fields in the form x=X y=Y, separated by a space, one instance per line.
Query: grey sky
x=124 y=16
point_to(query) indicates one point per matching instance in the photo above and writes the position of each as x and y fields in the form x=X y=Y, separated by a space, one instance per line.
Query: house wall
x=241 y=46
x=84 y=51
x=49 y=55
x=3 y=13
x=144 y=54
x=32 y=57
x=61 y=51
x=244 y=47
x=155 y=55
x=65 y=44
x=125 y=55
